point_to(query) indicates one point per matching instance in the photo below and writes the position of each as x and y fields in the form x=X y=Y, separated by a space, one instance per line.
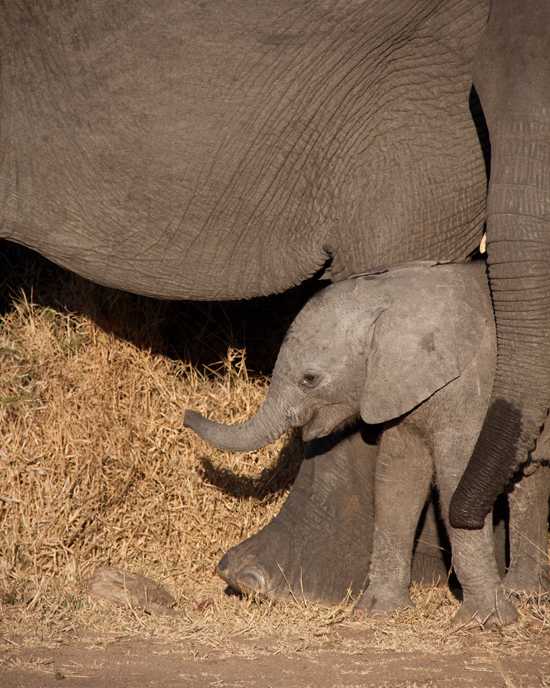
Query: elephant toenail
x=252 y=580
x=248 y=579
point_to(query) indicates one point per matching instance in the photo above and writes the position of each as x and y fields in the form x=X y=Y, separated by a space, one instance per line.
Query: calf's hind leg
x=473 y=551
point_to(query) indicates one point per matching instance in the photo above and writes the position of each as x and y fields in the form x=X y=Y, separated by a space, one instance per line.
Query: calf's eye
x=310 y=380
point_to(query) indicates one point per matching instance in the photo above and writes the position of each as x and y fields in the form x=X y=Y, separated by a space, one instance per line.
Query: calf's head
x=374 y=347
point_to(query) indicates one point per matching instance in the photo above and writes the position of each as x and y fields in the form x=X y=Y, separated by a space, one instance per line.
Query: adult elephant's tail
x=513 y=81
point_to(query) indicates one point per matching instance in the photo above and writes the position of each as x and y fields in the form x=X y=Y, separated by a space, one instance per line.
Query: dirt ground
x=137 y=664
x=97 y=471
x=223 y=641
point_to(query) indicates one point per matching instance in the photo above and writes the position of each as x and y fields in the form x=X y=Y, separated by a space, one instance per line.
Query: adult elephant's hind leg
x=529 y=558
x=318 y=546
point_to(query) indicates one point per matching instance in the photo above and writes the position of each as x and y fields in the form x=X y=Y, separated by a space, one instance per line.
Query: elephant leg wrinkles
x=484 y=599
x=319 y=546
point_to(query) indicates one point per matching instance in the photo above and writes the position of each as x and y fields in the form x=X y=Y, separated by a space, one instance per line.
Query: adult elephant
x=225 y=150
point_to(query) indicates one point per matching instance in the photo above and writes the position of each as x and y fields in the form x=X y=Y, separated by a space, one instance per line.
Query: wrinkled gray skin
x=413 y=349
x=198 y=150
x=329 y=518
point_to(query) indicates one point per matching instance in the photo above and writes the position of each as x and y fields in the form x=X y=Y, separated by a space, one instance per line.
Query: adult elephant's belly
x=207 y=150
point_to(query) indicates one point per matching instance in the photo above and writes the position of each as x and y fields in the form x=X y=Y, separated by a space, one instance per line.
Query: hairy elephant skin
x=413 y=350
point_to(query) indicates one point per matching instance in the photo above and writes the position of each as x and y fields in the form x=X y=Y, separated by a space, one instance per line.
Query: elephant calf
x=412 y=349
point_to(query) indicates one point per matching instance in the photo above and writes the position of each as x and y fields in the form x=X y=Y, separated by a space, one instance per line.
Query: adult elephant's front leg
x=319 y=546
x=529 y=569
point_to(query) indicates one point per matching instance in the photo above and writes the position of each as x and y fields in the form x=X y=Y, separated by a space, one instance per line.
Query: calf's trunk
x=265 y=427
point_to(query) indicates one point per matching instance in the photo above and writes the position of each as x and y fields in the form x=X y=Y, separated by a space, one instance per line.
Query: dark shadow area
x=270 y=482
x=228 y=591
x=322 y=445
x=442 y=536
x=199 y=332
x=482 y=129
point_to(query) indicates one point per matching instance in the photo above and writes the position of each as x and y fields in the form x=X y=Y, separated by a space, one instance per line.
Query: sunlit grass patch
x=97 y=470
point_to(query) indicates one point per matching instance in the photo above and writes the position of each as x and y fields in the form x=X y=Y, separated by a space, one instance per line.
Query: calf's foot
x=379 y=601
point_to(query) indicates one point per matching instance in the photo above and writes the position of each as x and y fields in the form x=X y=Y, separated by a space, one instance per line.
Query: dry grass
x=96 y=469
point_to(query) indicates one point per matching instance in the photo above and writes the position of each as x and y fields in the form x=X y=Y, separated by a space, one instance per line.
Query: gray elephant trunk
x=519 y=258
x=265 y=427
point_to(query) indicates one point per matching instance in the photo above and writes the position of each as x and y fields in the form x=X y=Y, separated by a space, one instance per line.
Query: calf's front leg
x=402 y=482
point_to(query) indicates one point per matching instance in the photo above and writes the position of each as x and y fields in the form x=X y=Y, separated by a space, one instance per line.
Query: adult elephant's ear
x=412 y=355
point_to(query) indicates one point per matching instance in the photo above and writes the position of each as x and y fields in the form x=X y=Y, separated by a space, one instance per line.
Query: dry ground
x=95 y=469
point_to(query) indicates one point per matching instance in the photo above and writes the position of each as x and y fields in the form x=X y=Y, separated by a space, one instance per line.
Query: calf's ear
x=411 y=356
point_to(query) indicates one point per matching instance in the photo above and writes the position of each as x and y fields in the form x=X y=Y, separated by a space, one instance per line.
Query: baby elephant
x=412 y=349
